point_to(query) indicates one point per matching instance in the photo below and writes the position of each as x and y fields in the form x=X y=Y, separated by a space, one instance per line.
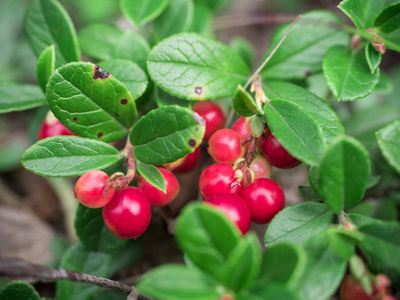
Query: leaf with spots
x=91 y=102
x=166 y=134
x=193 y=67
x=17 y=97
x=68 y=156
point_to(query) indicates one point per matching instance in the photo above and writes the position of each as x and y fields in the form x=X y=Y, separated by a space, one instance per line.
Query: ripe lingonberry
x=128 y=214
x=218 y=178
x=51 y=127
x=264 y=198
x=352 y=289
x=185 y=164
x=234 y=208
x=156 y=196
x=242 y=128
x=274 y=152
x=212 y=114
x=92 y=191
x=224 y=146
x=260 y=167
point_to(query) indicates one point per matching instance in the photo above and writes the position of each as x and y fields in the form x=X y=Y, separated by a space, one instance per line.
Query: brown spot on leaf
x=124 y=101
x=74 y=119
x=99 y=135
x=99 y=73
x=307 y=73
x=116 y=114
x=192 y=142
x=198 y=90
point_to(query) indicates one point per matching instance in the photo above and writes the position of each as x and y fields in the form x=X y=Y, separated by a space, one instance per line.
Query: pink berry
x=264 y=198
x=260 y=167
x=224 y=146
x=52 y=127
x=128 y=214
x=158 y=197
x=212 y=114
x=90 y=189
x=234 y=207
x=242 y=128
x=186 y=164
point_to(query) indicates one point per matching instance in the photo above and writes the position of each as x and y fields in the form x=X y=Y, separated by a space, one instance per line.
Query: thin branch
x=17 y=268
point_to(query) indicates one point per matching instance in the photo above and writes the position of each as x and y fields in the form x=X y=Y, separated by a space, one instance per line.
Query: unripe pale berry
x=90 y=189
x=128 y=214
x=260 y=167
x=264 y=198
x=242 y=128
x=52 y=127
x=234 y=207
x=224 y=146
x=212 y=114
x=156 y=196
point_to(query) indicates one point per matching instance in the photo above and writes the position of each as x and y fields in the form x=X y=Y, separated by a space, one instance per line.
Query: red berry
x=51 y=127
x=128 y=214
x=89 y=189
x=185 y=164
x=158 y=197
x=212 y=114
x=276 y=154
x=234 y=207
x=224 y=146
x=217 y=178
x=264 y=198
x=242 y=128
x=351 y=289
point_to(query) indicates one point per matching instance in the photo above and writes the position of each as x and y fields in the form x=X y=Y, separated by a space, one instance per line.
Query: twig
x=17 y=268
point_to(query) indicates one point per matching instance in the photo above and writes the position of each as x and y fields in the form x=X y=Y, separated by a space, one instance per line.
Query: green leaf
x=388 y=19
x=270 y=291
x=362 y=12
x=78 y=258
x=92 y=231
x=181 y=12
x=308 y=41
x=244 y=263
x=165 y=99
x=296 y=130
x=385 y=84
x=152 y=175
x=244 y=49
x=282 y=263
x=360 y=220
x=166 y=134
x=202 y=20
x=45 y=66
x=207 y=237
x=11 y=153
x=91 y=102
x=382 y=210
x=175 y=282
x=68 y=156
x=17 y=97
x=298 y=222
x=327 y=256
x=129 y=73
x=139 y=12
x=373 y=58
x=344 y=171
x=309 y=194
x=388 y=140
x=98 y=40
x=47 y=23
x=244 y=104
x=110 y=295
x=318 y=109
x=214 y=4
x=126 y=256
x=313 y=178
x=347 y=73
x=193 y=67
x=19 y=290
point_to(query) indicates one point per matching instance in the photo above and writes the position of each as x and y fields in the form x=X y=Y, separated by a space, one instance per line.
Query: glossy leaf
x=373 y=58
x=165 y=99
x=344 y=171
x=362 y=12
x=244 y=104
x=17 y=97
x=244 y=49
x=202 y=20
x=296 y=130
x=91 y=102
x=347 y=73
x=45 y=66
x=142 y=11
x=176 y=282
x=297 y=223
x=207 y=237
x=389 y=143
x=48 y=23
x=166 y=134
x=152 y=175
x=18 y=290
x=309 y=194
x=129 y=73
x=388 y=19
x=92 y=231
x=68 y=156
x=269 y=291
x=321 y=112
x=193 y=67
x=307 y=42
x=77 y=258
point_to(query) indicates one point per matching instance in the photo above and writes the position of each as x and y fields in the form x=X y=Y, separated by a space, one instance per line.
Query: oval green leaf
x=68 y=156
x=142 y=11
x=343 y=175
x=389 y=143
x=373 y=58
x=244 y=104
x=166 y=134
x=91 y=102
x=347 y=73
x=296 y=130
x=244 y=49
x=362 y=12
x=45 y=66
x=165 y=99
x=388 y=19
x=193 y=67
x=17 y=97
x=152 y=175
x=47 y=23
x=19 y=290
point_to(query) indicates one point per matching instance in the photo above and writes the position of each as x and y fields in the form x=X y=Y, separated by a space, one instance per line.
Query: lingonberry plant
x=140 y=106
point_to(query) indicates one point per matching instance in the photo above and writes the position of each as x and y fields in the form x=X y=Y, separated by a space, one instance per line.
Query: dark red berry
x=212 y=114
x=52 y=127
x=351 y=289
x=242 y=128
x=225 y=146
